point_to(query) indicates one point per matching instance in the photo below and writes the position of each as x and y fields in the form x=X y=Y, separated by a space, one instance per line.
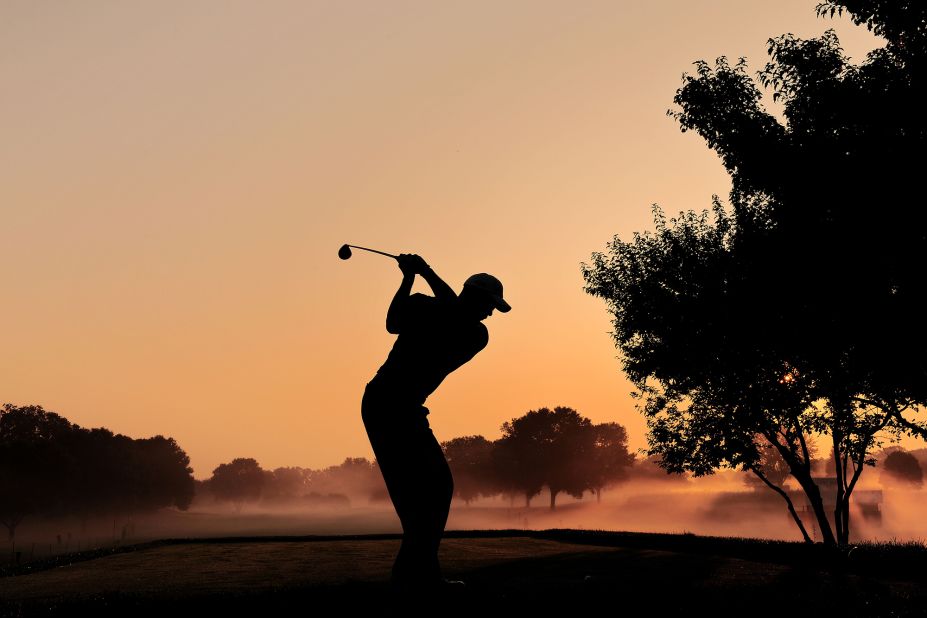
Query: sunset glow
x=176 y=180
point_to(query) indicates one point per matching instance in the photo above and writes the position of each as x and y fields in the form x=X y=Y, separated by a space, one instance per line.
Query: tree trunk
x=11 y=524
x=840 y=475
x=801 y=472
x=843 y=531
x=817 y=505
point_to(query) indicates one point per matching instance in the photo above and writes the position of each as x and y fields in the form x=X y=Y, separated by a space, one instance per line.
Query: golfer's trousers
x=417 y=477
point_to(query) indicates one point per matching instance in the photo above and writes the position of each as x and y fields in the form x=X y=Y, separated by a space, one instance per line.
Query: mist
x=719 y=505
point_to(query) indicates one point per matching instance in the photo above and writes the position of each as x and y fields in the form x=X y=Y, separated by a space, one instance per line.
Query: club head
x=344 y=252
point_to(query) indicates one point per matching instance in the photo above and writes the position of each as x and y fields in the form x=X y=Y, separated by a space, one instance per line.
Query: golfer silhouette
x=437 y=334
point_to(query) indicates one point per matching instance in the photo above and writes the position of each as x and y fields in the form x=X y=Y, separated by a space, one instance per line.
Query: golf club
x=345 y=252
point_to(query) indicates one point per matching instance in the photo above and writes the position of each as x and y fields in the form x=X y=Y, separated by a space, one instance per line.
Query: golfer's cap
x=490 y=286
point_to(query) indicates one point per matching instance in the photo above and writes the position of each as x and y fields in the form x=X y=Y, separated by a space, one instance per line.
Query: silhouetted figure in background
x=436 y=336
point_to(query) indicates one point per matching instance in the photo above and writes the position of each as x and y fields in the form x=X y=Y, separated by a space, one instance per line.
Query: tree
x=113 y=473
x=238 y=482
x=775 y=322
x=610 y=461
x=104 y=476
x=902 y=467
x=546 y=447
x=515 y=468
x=33 y=463
x=285 y=484
x=164 y=473
x=356 y=476
x=51 y=467
x=710 y=379
x=470 y=460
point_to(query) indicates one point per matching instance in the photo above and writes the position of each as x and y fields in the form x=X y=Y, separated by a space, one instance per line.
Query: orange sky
x=176 y=178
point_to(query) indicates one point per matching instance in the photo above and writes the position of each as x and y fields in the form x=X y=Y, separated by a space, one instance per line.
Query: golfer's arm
x=394 y=314
x=441 y=290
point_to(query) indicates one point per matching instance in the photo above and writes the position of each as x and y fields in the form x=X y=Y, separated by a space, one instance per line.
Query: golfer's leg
x=419 y=485
x=415 y=497
x=426 y=500
x=395 y=469
x=389 y=447
x=440 y=492
x=398 y=450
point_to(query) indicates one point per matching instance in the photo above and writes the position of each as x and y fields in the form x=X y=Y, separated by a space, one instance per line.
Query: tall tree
x=547 y=448
x=799 y=312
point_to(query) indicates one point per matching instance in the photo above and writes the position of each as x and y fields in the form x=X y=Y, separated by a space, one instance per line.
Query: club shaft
x=395 y=257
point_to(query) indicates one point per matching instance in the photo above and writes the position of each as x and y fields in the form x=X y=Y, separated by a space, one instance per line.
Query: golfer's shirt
x=434 y=340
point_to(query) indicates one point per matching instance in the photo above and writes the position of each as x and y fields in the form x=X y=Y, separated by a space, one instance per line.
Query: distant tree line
x=243 y=480
x=50 y=467
x=558 y=449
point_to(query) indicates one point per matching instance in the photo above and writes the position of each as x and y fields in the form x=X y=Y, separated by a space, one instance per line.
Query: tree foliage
x=239 y=481
x=559 y=449
x=355 y=476
x=797 y=312
x=610 y=462
x=470 y=460
x=286 y=484
x=51 y=467
x=901 y=466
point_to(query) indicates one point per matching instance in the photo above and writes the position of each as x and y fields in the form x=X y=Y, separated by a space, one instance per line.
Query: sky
x=176 y=180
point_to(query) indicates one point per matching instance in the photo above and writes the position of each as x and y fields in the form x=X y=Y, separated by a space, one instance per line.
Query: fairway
x=222 y=568
x=510 y=573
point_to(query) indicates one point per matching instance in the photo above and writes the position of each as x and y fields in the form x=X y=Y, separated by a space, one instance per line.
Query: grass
x=518 y=572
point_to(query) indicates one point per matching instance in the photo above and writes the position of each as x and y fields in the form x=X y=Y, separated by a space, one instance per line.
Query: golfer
x=437 y=334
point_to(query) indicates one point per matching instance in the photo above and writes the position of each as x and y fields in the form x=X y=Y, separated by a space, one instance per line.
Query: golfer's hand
x=411 y=264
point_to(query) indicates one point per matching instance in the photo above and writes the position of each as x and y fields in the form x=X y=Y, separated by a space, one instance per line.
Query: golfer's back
x=435 y=338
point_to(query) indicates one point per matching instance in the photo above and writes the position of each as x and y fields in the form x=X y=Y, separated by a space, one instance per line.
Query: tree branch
x=860 y=461
x=856 y=474
x=788 y=502
x=804 y=445
x=909 y=425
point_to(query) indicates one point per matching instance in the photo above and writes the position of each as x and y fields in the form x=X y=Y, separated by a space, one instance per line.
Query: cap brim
x=501 y=305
